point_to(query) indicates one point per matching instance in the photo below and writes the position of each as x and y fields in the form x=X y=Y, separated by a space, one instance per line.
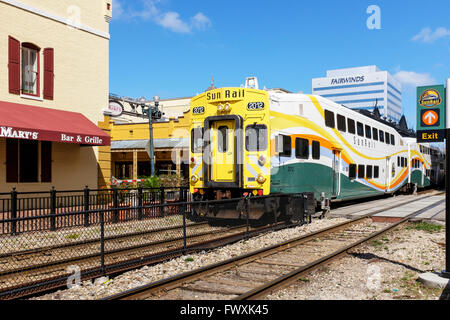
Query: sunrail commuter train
x=246 y=141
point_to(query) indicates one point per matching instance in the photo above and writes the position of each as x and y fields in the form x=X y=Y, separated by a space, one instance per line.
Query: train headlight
x=227 y=107
x=261 y=179
x=220 y=107
x=262 y=160
x=194 y=178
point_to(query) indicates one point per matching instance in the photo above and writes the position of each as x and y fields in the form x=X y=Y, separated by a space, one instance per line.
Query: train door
x=223 y=151
x=388 y=173
x=336 y=172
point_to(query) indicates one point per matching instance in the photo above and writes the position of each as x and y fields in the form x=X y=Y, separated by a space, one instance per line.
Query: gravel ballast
x=383 y=269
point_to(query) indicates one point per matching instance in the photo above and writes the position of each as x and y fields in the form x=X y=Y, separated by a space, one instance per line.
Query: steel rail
x=172 y=282
x=292 y=276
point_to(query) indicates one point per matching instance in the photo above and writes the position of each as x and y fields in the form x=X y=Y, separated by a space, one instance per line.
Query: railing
x=48 y=211
x=151 y=228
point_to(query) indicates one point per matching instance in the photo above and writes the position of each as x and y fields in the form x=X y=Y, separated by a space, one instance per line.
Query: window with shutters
x=30 y=69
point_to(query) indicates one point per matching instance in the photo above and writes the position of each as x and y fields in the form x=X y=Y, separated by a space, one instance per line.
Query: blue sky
x=171 y=48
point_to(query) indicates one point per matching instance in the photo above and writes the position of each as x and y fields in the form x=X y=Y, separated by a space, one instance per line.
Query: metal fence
x=41 y=211
x=104 y=240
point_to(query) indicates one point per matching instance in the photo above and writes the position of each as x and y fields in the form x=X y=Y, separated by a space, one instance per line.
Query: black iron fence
x=54 y=209
x=94 y=239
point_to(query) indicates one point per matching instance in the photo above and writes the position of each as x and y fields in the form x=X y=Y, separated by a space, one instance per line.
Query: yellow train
x=246 y=141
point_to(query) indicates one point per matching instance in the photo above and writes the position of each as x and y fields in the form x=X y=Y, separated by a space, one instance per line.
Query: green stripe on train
x=311 y=177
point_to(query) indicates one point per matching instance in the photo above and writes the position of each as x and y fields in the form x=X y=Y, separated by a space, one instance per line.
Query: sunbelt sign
x=430 y=113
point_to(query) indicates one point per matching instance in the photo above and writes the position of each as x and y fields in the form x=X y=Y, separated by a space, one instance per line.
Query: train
x=251 y=142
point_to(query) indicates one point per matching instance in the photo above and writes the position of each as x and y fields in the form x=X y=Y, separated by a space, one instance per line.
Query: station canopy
x=20 y=121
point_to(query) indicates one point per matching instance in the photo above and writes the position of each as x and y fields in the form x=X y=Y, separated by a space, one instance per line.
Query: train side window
x=381 y=136
x=352 y=171
x=369 y=172
x=222 y=132
x=368 y=132
x=361 y=171
x=316 y=150
x=351 y=125
x=341 y=123
x=329 y=119
x=256 y=137
x=375 y=134
x=301 y=148
x=392 y=140
x=387 y=137
x=286 y=146
x=360 y=128
x=376 y=172
x=197 y=140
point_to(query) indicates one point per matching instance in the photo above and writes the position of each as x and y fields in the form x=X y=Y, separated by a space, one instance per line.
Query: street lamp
x=152 y=113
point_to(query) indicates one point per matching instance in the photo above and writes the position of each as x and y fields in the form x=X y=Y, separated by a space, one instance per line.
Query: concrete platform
x=394 y=209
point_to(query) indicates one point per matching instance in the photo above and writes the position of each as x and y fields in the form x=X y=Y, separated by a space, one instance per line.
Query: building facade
x=52 y=93
x=362 y=88
x=129 y=129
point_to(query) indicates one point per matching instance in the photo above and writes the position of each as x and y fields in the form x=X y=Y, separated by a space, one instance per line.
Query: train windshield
x=256 y=137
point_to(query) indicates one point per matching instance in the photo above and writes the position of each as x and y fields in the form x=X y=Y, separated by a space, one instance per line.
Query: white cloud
x=172 y=21
x=427 y=35
x=169 y=20
x=200 y=21
x=414 y=79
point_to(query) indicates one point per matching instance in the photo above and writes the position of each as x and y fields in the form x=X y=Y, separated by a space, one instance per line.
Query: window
x=361 y=171
x=286 y=144
x=392 y=140
x=316 y=150
x=22 y=161
x=376 y=172
x=369 y=172
x=351 y=125
x=341 y=123
x=360 y=128
x=368 y=132
x=30 y=69
x=381 y=136
x=352 y=171
x=301 y=148
x=398 y=162
x=222 y=139
x=375 y=134
x=387 y=137
x=329 y=119
x=197 y=140
x=256 y=137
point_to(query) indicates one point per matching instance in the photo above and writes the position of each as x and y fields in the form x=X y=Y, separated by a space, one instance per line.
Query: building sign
x=431 y=113
x=13 y=133
x=347 y=80
x=115 y=108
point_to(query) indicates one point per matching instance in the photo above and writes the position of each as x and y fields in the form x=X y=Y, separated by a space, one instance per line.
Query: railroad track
x=257 y=274
x=123 y=255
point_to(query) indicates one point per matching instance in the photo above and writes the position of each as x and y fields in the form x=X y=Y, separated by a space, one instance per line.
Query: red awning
x=36 y=123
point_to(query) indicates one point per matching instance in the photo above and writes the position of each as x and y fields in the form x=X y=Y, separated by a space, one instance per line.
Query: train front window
x=256 y=137
x=222 y=139
x=197 y=140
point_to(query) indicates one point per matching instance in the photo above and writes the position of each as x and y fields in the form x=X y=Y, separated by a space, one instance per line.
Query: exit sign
x=431 y=113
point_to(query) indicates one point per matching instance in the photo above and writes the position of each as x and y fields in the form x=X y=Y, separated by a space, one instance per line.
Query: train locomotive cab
x=230 y=152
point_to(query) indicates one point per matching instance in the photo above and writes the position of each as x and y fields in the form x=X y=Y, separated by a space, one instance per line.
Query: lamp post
x=151 y=112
